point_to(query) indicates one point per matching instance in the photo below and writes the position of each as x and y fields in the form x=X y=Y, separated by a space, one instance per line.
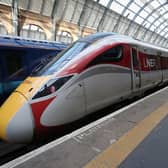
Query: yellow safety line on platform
x=117 y=152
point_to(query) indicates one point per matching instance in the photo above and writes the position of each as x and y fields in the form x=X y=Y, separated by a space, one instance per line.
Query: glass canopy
x=152 y=14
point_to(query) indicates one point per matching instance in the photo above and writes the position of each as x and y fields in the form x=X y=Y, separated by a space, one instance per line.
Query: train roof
x=114 y=37
x=94 y=37
x=30 y=43
x=139 y=43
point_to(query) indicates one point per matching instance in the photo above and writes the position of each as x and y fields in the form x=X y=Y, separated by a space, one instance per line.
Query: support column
x=53 y=20
x=15 y=25
x=53 y=30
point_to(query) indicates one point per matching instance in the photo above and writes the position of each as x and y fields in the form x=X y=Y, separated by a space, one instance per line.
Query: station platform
x=135 y=136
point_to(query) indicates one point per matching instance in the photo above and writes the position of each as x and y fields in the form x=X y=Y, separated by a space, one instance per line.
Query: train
x=94 y=72
x=19 y=57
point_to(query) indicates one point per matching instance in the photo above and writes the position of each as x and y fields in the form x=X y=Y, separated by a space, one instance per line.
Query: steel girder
x=156 y=29
x=82 y=13
x=155 y=10
x=157 y=20
x=101 y=23
x=15 y=22
x=42 y=7
x=29 y=4
x=122 y=14
x=160 y=32
x=136 y=15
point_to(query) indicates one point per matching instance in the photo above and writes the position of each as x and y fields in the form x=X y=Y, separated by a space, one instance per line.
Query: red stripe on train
x=38 y=109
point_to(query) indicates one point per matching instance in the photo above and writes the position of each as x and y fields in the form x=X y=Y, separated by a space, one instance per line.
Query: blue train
x=18 y=57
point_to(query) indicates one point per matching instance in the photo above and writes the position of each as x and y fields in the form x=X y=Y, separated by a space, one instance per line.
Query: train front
x=40 y=100
x=21 y=114
x=16 y=116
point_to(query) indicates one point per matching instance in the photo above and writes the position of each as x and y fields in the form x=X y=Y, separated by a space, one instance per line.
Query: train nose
x=16 y=120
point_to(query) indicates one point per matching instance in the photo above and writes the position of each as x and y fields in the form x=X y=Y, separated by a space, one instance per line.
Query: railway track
x=9 y=151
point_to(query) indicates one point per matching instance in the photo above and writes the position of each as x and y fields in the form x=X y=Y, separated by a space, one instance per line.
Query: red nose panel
x=38 y=109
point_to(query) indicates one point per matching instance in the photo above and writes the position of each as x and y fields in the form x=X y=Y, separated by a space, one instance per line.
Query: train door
x=136 y=70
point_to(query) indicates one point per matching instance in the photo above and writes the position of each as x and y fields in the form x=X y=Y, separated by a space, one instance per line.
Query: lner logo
x=149 y=62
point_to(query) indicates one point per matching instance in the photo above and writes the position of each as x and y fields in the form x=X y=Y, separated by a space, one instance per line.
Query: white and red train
x=94 y=72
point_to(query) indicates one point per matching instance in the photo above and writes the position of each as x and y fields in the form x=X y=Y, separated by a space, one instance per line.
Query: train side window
x=14 y=65
x=111 y=55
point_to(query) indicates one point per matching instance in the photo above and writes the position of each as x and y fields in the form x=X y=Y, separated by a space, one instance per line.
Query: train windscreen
x=60 y=60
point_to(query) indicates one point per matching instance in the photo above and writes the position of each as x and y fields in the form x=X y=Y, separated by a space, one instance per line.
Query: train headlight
x=52 y=86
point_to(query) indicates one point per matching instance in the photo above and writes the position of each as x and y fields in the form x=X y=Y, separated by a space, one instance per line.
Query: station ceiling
x=150 y=14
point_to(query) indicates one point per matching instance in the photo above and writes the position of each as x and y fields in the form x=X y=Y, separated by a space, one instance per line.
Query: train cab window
x=61 y=60
x=111 y=55
x=53 y=86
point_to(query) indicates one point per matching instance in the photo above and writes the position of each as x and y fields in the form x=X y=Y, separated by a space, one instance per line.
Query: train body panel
x=21 y=127
x=59 y=113
x=100 y=84
x=91 y=74
x=16 y=125
x=164 y=65
x=165 y=75
x=147 y=67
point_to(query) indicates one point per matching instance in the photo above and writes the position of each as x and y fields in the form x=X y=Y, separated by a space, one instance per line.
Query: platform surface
x=134 y=136
x=153 y=151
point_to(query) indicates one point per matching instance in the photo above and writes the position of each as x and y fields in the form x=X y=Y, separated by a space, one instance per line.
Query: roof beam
x=156 y=29
x=162 y=29
x=163 y=42
x=165 y=32
x=158 y=25
x=66 y=2
x=115 y=29
x=15 y=23
x=29 y=5
x=136 y=15
x=53 y=12
x=101 y=23
x=98 y=11
x=85 y=16
x=54 y=9
x=159 y=33
x=89 y=14
x=155 y=10
x=42 y=7
x=157 y=20
x=83 y=13
x=74 y=11
x=137 y=31
x=166 y=44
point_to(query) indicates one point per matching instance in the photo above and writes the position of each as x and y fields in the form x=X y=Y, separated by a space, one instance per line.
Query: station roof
x=152 y=14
